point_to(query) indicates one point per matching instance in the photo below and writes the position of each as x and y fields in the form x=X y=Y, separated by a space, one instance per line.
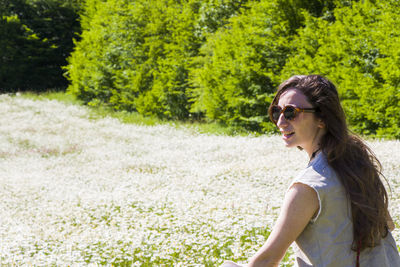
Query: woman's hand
x=230 y=264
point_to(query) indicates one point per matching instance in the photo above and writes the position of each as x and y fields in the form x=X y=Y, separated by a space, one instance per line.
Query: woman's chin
x=289 y=141
x=289 y=145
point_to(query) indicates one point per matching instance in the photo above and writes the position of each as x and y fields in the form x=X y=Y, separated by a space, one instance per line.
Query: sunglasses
x=289 y=112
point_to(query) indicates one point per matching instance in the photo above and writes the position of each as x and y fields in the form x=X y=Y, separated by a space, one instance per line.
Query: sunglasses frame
x=295 y=112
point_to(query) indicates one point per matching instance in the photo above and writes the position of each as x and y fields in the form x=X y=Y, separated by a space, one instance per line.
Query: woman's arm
x=300 y=205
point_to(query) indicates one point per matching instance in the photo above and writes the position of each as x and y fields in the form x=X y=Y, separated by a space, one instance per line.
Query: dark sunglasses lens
x=276 y=112
x=289 y=113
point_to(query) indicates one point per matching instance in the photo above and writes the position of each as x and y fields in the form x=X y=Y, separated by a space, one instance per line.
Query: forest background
x=206 y=60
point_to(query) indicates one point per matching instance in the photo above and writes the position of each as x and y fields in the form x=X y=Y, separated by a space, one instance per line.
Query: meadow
x=76 y=189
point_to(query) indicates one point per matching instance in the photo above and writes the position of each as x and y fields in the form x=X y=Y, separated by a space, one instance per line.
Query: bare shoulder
x=299 y=186
x=302 y=192
x=301 y=200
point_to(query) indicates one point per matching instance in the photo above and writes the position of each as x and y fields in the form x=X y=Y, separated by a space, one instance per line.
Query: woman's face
x=305 y=130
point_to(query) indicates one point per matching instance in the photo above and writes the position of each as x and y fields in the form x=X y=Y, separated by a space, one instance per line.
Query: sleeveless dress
x=326 y=241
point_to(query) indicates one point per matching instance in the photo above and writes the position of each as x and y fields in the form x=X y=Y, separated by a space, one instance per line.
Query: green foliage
x=221 y=60
x=214 y=14
x=136 y=55
x=234 y=76
x=38 y=39
x=354 y=52
x=170 y=41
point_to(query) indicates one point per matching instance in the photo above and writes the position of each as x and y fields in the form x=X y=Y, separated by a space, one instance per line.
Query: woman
x=336 y=210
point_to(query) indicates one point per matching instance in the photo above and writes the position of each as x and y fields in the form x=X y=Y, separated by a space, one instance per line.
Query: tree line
x=36 y=38
x=221 y=60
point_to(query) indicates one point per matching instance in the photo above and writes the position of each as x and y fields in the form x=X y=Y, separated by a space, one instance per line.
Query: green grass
x=53 y=95
x=99 y=112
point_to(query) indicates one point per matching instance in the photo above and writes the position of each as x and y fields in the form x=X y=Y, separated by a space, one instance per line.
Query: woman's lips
x=287 y=135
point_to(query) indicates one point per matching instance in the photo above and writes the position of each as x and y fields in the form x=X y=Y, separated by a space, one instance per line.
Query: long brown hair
x=353 y=161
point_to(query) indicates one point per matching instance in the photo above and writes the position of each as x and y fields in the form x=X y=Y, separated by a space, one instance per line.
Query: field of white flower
x=81 y=191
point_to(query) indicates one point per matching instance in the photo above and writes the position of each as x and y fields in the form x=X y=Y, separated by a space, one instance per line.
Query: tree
x=354 y=51
x=37 y=39
x=234 y=76
x=136 y=55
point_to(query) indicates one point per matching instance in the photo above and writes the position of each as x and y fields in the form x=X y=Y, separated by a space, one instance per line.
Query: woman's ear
x=321 y=124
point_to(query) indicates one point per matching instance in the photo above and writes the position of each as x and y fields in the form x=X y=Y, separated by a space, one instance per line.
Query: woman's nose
x=281 y=121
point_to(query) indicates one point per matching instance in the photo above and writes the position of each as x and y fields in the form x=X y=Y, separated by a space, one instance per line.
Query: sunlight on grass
x=52 y=95
x=99 y=112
